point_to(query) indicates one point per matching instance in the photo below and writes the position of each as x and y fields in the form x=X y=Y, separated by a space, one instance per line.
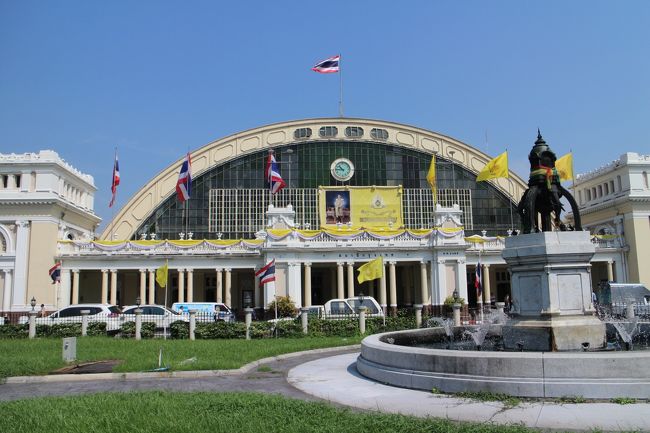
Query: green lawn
x=210 y=412
x=42 y=355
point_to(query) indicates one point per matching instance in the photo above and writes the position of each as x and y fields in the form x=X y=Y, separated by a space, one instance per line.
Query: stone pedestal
x=551 y=293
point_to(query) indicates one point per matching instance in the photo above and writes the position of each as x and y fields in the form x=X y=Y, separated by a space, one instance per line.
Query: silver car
x=109 y=314
x=158 y=314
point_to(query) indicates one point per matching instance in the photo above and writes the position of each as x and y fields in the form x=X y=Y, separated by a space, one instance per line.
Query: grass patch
x=624 y=400
x=573 y=399
x=211 y=412
x=507 y=400
x=42 y=355
x=264 y=369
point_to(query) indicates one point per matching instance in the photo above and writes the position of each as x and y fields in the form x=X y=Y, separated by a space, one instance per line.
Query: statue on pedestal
x=544 y=193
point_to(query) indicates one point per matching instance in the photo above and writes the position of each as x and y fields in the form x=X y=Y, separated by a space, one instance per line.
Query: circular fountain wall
x=391 y=358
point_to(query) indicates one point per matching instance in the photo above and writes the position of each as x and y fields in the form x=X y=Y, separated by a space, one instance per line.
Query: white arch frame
x=159 y=188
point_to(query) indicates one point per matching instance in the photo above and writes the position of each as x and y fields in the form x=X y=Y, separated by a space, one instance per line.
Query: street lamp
x=33 y=303
x=138 y=301
x=455 y=294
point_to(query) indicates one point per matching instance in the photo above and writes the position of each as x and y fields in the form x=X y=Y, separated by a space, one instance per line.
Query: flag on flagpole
x=371 y=271
x=266 y=273
x=495 y=168
x=272 y=174
x=161 y=275
x=184 y=183
x=477 y=281
x=55 y=272
x=115 y=182
x=327 y=66
x=431 y=176
x=564 y=167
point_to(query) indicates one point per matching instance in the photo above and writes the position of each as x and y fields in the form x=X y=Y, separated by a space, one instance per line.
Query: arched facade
x=384 y=153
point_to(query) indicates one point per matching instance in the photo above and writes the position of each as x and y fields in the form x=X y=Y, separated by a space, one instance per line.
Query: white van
x=205 y=311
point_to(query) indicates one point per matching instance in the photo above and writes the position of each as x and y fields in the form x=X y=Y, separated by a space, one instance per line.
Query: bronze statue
x=544 y=193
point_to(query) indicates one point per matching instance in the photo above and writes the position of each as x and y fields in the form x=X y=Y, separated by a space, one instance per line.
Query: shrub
x=63 y=330
x=96 y=329
x=43 y=330
x=14 y=331
x=333 y=328
x=450 y=300
x=289 y=329
x=226 y=330
x=286 y=307
x=261 y=330
x=147 y=330
x=179 y=329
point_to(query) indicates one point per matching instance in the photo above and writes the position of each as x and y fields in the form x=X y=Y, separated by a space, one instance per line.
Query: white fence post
x=304 y=319
x=138 y=324
x=248 y=319
x=192 y=324
x=84 y=322
x=32 y=324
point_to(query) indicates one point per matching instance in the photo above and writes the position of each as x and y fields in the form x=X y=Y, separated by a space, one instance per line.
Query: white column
x=6 y=297
x=113 y=286
x=143 y=286
x=228 y=288
x=350 y=279
x=439 y=281
x=181 y=285
x=219 y=288
x=75 y=286
x=104 y=286
x=152 y=286
x=340 y=292
x=461 y=278
x=610 y=270
x=19 y=296
x=408 y=285
x=307 y=298
x=65 y=289
x=190 y=285
x=424 y=289
x=487 y=295
x=294 y=283
x=393 y=284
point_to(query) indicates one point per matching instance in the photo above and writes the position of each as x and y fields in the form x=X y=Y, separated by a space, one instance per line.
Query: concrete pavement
x=335 y=379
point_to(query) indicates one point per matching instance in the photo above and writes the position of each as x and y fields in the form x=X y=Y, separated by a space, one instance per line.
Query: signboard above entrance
x=360 y=206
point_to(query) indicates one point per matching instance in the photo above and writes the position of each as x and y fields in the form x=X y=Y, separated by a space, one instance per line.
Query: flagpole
x=340 y=87
x=112 y=206
x=573 y=176
x=166 y=282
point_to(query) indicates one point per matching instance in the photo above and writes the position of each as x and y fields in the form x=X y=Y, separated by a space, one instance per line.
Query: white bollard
x=304 y=319
x=629 y=311
x=84 y=322
x=248 y=319
x=192 y=324
x=362 y=320
x=138 y=324
x=32 y=324
x=456 y=308
x=500 y=311
x=418 y=315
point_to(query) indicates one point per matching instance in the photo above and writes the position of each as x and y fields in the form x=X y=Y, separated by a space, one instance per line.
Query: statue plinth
x=551 y=292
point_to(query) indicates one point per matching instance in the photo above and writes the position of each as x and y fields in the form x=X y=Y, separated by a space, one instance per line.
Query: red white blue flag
x=272 y=174
x=327 y=66
x=115 y=182
x=477 y=281
x=184 y=184
x=267 y=273
x=55 y=272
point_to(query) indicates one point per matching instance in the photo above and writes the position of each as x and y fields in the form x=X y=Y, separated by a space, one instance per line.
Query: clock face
x=342 y=169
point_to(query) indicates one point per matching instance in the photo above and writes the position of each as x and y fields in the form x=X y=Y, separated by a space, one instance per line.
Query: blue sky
x=156 y=78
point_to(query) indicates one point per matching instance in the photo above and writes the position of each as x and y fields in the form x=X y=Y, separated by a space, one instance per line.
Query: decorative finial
x=540 y=141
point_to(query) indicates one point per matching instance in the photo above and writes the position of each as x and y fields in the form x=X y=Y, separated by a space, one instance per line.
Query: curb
x=169 y=374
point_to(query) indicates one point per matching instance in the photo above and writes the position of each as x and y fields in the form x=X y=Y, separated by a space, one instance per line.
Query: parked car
x=109 y=314
x=373 y=307
x=158 y=314
x=205 y=310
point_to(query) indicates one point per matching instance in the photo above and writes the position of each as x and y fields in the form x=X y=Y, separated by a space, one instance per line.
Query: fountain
x=553 y=346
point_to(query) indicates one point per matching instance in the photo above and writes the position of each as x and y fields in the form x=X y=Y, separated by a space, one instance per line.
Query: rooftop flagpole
x=340 y=87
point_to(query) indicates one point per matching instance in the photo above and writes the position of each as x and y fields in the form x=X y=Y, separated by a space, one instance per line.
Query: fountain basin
x=596 y=375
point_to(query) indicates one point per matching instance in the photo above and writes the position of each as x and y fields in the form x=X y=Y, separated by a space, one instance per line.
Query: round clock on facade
x=342 y=169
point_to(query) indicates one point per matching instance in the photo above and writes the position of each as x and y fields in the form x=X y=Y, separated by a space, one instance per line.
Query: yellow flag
x=564 y=167
x=161 y=275
x=495 y=168
x=431 y=176
x=372 y=270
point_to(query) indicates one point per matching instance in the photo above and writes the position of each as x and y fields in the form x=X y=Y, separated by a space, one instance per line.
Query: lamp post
x=138 y=301
x=33 y=303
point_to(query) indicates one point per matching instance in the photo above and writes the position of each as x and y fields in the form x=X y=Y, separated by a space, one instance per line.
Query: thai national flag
x=273 y=174
x=267 y=273
x=327 y=66
x=55 y=273
x=115 y=182
x=184 y=184
x=477 y=281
